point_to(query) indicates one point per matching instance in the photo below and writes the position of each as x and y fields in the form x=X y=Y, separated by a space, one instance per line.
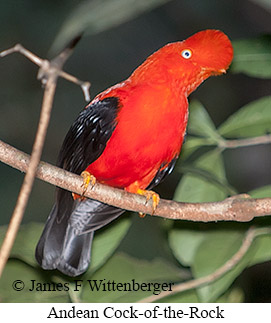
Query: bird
x=129 y=137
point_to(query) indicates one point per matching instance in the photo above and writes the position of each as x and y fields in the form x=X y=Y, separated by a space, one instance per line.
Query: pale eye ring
x=186 y=53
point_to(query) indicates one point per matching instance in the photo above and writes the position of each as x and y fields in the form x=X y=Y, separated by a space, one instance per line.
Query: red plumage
x=153 y=111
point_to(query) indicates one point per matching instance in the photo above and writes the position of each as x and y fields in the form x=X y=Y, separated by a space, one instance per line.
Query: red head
x=188 y=63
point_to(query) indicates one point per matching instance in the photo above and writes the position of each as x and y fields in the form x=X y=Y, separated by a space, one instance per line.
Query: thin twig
x=237 y=143
x=240 y=208
x=85 y=86
x=48 y=73
x=228 y=266
x=44 y=64
x=30 y=174
x=18 y=48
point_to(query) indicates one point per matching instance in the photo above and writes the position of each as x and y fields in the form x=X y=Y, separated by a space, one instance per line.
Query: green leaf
x=16 y=270
x=189 y=296
x=123 y=269
x=94 y=16
x=266 y=4
x=254 y=119
x=104 y=244
x=106 y=241
x=253 y=57
x=192 y=144
x=184 y=244
x=212 y=254
x=261 y=192
x=217 y=249
x=200 y=123
x=25 y=242
x=196 y=188
x=262 y=250
x=232 y=295
x=207 y=250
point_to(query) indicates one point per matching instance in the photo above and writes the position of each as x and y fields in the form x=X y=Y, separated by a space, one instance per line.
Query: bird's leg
x=149 y=195
x=88 y=179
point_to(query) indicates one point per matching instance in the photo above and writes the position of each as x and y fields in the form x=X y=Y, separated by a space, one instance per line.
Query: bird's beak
x=217 y=72
x=222 y=71
x=211 y=71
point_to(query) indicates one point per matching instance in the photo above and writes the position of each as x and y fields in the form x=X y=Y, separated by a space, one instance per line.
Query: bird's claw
x=88 y=179
x=149 y=195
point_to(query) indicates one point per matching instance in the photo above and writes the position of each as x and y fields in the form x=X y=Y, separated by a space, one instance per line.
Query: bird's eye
x=186 y=53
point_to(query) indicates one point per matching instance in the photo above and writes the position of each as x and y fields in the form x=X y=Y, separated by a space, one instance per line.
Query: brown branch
x=55 y=66
x=30 y=174
x=237 y=143
x=251 y=234
x=48 y=74
x=239 y=208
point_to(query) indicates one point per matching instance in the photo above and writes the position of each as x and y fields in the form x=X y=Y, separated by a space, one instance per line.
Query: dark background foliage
x=105 y=58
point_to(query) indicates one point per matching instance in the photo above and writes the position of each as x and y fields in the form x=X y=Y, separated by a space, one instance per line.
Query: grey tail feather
x=65 y=243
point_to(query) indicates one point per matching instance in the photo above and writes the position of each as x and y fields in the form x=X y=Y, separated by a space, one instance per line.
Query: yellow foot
x=87 y=178
x=149 y=195
x=142 y=215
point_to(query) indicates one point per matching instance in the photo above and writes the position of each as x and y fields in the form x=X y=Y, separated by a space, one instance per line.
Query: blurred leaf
x=232 y=295
x=106 y=241
x=253 y=57
x=262 y=250
x=264 y=3
x=104 y=244
x=94 y=16
x=261 y=192
x=200 y=123
x=184 y=244
x=212 y=254
x=220 y=182
x=196 y=188
x=216 y=250
x=25 y=242
x=254 y=119
x=189 y=296
x=123 y=269
x=207 y=250
x=17 y=270
x=192 y=144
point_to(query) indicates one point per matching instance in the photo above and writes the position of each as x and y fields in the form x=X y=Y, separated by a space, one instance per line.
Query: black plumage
x=162 y=173
x=65 y=243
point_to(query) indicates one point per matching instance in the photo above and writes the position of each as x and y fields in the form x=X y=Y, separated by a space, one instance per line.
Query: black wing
x=164 y=170
x=162 y=173
x=88 y=135
x=65 y=243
